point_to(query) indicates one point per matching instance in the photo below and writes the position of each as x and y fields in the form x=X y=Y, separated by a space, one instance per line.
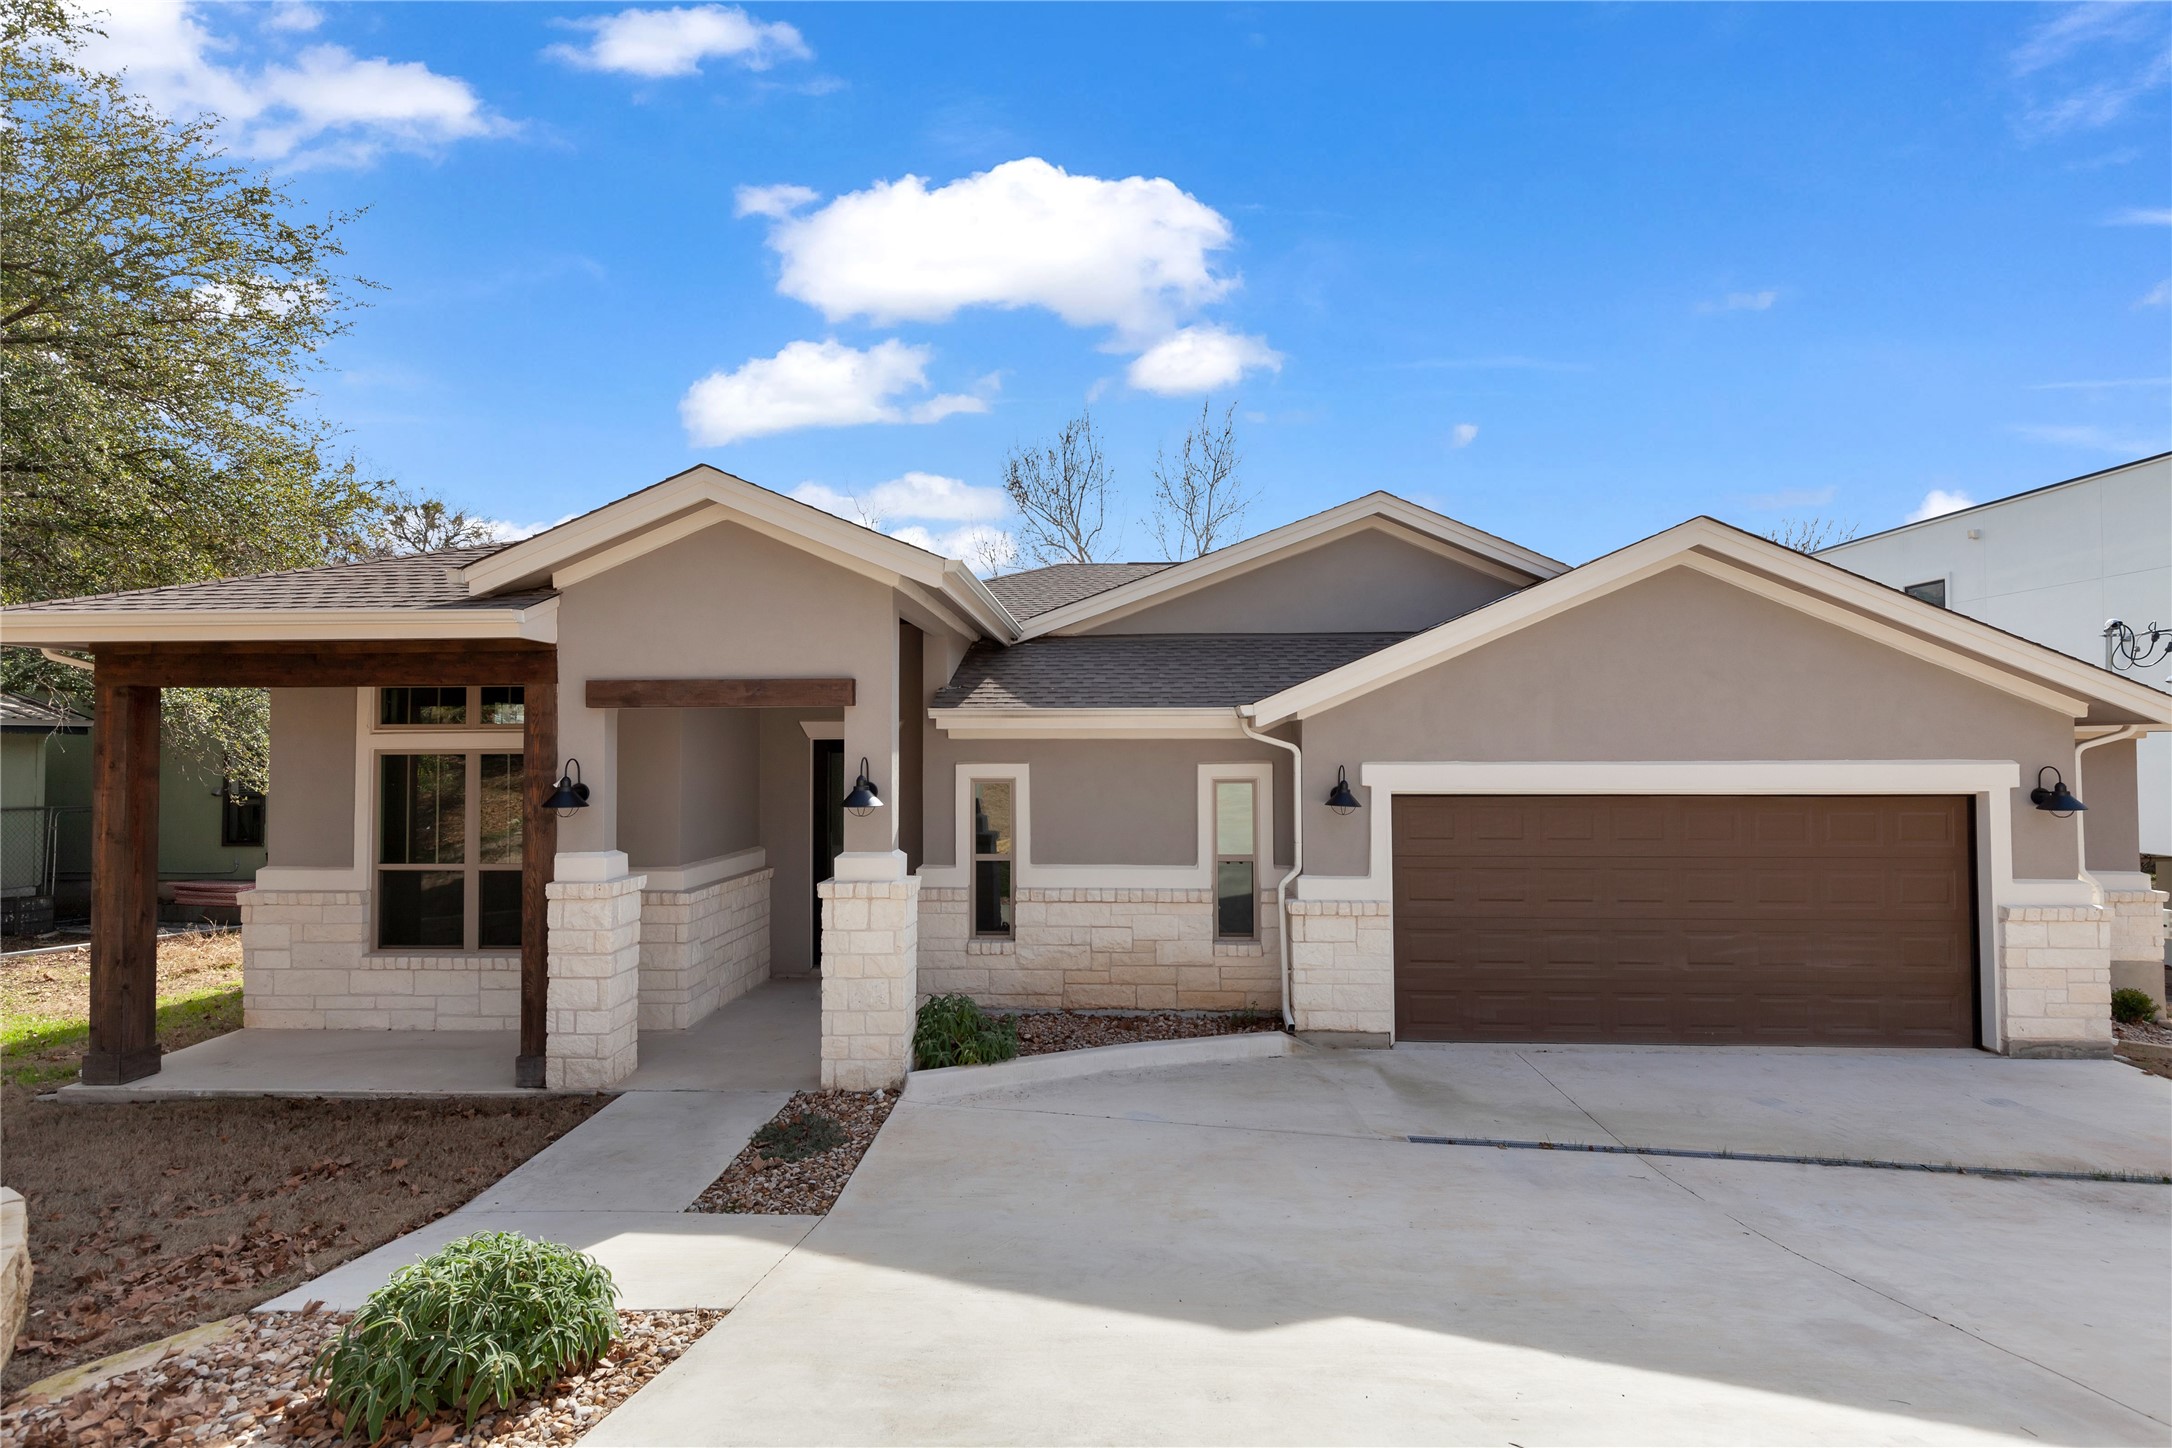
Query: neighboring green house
x=205 y=831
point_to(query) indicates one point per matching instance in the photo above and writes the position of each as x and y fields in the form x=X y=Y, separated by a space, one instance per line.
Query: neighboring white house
x=2054 y=565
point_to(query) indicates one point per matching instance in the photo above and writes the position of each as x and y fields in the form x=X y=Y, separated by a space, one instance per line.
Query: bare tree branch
x=1062 y=492
x=1812 y=535
x=1199 y=500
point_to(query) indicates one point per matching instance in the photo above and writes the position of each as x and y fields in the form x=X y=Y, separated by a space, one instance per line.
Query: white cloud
x=657 y=43
x=1742 y=302
x=1463 y=434
x=816 y=384
x=325 y=105
x=2158 y=295
x=926 y=496
x=1938 y=501
x=293 y=15
x=2141 y=216
x=2093 y=439
x=984 y=549
x=1134 y=254
x=772 y=201
x=1200 y=359
x=2089 y=64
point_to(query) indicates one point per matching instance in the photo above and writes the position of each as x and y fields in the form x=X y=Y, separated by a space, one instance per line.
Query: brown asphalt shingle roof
x=1148 y=671
x=21 y=714
x=1043 y=590
x=418 y=581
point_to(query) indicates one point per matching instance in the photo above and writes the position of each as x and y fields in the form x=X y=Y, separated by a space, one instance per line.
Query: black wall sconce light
x=1340 y=799
x=863 y=801
x=2057 y=799
x=569 y=794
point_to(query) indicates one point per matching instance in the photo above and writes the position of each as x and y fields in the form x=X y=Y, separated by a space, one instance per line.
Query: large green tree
x=160 y=309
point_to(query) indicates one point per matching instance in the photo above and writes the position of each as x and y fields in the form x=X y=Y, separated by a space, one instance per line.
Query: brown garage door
x=1760 y=921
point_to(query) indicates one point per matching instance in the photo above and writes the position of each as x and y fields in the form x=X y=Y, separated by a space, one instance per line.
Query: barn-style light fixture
x=1340 y=799
x=2057 y=799
x=863 y=801
x=569 y=794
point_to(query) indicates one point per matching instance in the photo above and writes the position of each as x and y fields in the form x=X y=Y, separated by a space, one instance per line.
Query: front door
x=828 y=831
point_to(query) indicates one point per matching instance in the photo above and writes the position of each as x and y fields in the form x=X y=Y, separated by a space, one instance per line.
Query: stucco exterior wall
x=1684 y=667
x=1101 y=801
x=1368 y=581
x=2112 y=830
x=309 y=810
x=688 y=784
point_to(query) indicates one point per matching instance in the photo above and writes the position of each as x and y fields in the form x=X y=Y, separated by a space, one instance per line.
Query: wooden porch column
x=538 y=858
x=124 y=886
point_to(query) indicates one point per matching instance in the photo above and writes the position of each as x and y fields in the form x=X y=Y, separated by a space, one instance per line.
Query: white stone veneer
x=1342 y=966
x=2056 y=966
x=2138 y=920
x=306 y=965
x=701 y=948
x=595 y=982
x=1110 y=949
x=870 y=955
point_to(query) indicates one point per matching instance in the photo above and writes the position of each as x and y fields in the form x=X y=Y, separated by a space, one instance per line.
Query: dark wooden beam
x=124 y=886
x=538 y=859
x=358 y=664
x=719 y=693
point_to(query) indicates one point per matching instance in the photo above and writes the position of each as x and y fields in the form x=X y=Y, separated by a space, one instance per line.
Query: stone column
x=2138 y=941
x=1342 y=971
x=595 y=971
x=2056 y=979
x=870 y=968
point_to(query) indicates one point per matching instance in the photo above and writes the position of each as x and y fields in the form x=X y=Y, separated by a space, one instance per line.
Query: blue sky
x=1571 y=274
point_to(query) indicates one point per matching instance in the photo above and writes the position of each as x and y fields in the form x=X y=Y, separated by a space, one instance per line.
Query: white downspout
x=1297 y=848
x=2081 y=821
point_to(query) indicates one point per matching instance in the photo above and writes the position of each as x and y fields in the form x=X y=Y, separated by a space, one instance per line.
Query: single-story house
x=1388 y=774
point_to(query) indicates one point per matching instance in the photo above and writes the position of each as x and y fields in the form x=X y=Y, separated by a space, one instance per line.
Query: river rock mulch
x=251 y=1388
x=1041 y=1032
x=2146 y=1031
x=761 y=1183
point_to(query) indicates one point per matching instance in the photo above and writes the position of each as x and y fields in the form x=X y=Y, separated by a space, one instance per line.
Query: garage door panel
x=1786 y=921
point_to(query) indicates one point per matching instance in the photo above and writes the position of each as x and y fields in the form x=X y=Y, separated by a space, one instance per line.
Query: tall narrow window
x=448 y=851
x=241 y=815
x=1236 y=860
x=994 y=854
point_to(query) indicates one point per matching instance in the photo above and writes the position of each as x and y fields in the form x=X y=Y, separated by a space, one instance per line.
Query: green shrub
x=481 y=1322
x=2132 y=1006
x=952 y=1031
x=808 y=1134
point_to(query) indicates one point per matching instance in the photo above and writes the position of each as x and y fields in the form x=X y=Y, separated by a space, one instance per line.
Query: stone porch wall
x=1342 y=967
x=1099 y=950
x=2056 y=972
x=595 y=982
x=702 y=948
x=870 y=956
x=2138 y=919
x=306 y=965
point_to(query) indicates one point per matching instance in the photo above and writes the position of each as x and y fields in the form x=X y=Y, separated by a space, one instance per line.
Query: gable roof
x=1147 y=671
x=1974 y=508
x=1468 y=545
x=703 y=496
x=1825 y=590
x=1035 y=591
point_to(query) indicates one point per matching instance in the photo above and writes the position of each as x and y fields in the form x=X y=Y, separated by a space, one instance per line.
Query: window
x=994 y=852
x=241 y=816
x=451 y=706
x=449 y=836
x=1933 y=592
x=1236 y=860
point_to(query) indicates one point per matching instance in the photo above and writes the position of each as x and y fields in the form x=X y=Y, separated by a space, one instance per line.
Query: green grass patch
x=36 y=1050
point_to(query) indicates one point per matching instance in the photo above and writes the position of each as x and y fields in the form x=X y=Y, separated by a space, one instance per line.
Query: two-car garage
x=1753 y=920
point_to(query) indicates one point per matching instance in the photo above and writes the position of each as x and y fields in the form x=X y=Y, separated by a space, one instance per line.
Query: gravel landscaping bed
x=766 y=1180
x=1042 y=1032
x=252 y=1387
x=2148 y=1032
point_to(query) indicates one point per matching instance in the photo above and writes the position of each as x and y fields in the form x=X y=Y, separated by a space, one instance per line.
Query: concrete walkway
x=1254 y=1252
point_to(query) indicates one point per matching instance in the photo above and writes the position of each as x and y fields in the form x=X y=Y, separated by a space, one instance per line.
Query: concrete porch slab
x=770 y=1037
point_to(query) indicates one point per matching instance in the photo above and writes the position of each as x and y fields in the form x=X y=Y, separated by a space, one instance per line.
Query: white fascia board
x=1494 y=555
x=2042 y=675
x=1088 y=723
x=538 y=622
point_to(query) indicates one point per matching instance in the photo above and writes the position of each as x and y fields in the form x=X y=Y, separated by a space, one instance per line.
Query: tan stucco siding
x=1370 y=581
x=1100 y=802
x=687 y=784
x=309 y=809
x=1684 y=667
x=2106 y=783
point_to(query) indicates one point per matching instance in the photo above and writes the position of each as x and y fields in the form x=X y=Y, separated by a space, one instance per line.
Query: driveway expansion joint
x=1873 y=1163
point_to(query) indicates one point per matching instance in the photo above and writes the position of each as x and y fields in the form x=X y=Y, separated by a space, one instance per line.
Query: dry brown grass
x=151 y=1217
x=45 y=1003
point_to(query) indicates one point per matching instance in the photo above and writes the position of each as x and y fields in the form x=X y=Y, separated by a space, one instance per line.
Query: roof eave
x=536 y=622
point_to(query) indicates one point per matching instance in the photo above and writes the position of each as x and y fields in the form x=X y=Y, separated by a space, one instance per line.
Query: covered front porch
x=767 y=1039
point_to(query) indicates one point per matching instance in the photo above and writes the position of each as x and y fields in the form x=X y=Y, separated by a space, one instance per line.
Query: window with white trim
x=1236 y=859
x=448 y=850
x=452 y=706
x=995 y=855
x=1931 y=591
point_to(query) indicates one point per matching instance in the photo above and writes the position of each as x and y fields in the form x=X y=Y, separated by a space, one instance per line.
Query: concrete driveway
x=1256 y=1252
